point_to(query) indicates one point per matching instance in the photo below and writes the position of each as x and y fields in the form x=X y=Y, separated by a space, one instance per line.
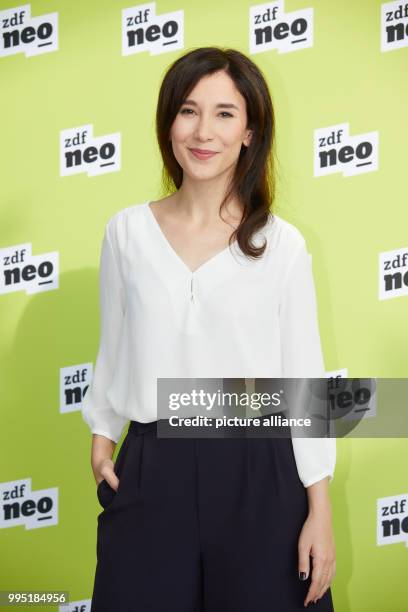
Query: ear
x=247 y=139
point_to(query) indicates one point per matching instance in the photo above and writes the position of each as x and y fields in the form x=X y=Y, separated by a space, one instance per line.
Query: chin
x=206 y=173
x=200 y=174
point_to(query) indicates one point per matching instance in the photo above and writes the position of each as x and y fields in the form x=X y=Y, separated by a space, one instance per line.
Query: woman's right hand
x=106 y=472
x=101 y=461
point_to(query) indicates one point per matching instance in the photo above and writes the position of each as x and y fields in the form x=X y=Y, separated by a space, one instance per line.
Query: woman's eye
x=188 y=110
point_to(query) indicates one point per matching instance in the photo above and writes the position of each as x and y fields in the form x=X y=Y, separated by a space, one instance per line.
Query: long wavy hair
x=253 y=182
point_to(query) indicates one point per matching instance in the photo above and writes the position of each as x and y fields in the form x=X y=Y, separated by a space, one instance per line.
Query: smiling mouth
x=203 y=153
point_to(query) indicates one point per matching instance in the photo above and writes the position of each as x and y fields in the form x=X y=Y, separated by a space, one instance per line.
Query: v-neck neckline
x=174 y=253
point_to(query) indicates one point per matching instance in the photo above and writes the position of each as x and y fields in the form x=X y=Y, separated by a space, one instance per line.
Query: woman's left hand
x=317 y=540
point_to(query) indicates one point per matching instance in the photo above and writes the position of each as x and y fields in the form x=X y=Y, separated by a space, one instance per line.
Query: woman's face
x=212 y=118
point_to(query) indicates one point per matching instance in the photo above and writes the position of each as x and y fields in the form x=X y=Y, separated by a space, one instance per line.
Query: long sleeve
x=302 y=358
x=97 y=410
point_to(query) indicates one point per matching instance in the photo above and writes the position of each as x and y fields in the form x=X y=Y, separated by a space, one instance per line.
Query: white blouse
x=233 y=317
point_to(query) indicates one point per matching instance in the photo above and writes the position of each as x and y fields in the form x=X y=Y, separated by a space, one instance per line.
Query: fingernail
x=302 y=575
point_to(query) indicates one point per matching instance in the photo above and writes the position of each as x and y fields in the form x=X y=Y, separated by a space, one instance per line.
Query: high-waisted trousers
x=201 y=525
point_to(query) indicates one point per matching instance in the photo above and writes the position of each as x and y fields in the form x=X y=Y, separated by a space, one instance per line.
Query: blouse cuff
x=315 y=479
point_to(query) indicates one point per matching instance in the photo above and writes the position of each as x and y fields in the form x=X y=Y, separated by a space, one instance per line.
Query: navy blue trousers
x=201 y=525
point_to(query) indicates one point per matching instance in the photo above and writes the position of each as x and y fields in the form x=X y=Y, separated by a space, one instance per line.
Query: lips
x=203 y=153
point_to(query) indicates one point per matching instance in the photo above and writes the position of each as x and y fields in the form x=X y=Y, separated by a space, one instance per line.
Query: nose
x=203 y=129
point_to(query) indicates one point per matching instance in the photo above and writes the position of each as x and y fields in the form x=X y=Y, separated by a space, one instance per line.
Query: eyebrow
x=220 y=105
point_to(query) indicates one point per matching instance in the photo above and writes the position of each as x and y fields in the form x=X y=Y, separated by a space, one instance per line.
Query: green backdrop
x=348 y=74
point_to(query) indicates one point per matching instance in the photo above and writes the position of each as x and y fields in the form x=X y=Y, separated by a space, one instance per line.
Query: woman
x=189 y=288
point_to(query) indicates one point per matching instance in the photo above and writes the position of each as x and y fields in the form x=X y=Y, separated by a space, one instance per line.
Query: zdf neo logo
x=335 y=150
x=143 y=30
x=22 y=33
x=82 y=152
x=392 y=520
x=20 y=269
x=22 y=506
x=270 y=28
x=394 y=25
x=393 y=273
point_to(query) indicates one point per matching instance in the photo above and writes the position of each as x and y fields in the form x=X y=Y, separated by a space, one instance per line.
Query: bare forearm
x=318 y=496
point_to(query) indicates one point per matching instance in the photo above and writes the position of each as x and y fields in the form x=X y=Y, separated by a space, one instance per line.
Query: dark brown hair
x=253 y=181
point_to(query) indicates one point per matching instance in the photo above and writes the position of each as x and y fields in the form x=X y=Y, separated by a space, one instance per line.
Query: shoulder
x=118 y=224
x=122 y=216
x=284 y=235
